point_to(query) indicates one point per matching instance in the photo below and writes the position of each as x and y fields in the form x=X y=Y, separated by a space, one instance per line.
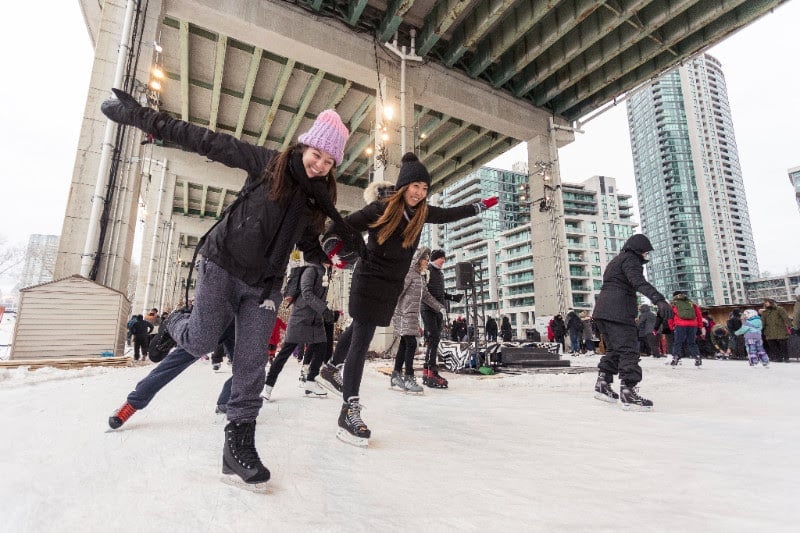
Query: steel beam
x=393 y=16
x=283 y=81
x=305 y=101
x=183 y=35
x=221 y=205
x=219 y=68
x=475 y=26
x=338 y=95
x=355 y=8
x=438 y=22
x=252 y=74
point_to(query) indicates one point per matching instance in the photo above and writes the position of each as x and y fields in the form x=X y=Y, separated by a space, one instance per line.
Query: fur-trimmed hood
x=378 y=190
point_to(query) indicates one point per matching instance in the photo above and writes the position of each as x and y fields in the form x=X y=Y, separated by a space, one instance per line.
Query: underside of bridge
x=467 y=80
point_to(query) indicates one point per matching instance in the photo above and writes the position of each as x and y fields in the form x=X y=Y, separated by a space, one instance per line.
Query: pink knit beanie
x=328 y=134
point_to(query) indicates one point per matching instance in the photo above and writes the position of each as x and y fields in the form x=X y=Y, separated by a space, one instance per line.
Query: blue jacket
x=751 y=325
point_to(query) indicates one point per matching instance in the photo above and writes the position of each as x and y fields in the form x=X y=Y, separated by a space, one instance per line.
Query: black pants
x=315 y=353
x=433 y=325
x=140 y=345
x=622 y=351
x=405 y=354
x=777 y=349
x=218 y=355
x=329 y=341
x=352 y=351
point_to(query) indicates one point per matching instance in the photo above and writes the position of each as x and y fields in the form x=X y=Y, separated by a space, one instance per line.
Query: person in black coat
x=140 y=331
x=394 y=225
x=560 y=331
x=615 y=314
x=286 y=195
x=432 y=319
x=506 y=331
x=491 y=329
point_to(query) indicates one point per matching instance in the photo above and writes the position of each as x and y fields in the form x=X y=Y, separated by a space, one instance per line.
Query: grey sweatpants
x=220 y=298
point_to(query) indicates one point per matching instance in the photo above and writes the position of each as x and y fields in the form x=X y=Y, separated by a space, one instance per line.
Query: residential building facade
x=40 y=260
x=689 y=185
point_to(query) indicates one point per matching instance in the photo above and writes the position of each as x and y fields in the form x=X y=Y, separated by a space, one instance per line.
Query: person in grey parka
x=406 y=320
x=306 y=326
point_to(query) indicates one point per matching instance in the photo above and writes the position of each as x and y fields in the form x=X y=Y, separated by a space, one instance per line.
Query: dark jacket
x=436 y=287
x=305 y=322
x=491 y=326
x=647 y=321
x=378 y=280
x=559 y=327
x=254 y=239
x=622 y=279
x=574 y=324
x=776 y=322
x=141 y=328
x=506 y=332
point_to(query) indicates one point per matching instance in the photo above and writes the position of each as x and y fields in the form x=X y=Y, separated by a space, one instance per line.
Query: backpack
x=292 y=288
x=685 y=309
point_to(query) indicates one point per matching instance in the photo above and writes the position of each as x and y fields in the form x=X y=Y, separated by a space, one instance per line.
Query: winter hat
x=412 y=170
x=749 y=313
x=436 y=254
x=328 y=133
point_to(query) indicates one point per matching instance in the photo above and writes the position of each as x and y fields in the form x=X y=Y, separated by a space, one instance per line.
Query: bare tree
x=133 y=276
x=11 y=258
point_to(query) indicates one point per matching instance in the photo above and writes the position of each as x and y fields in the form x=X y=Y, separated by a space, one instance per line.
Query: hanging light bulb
x=155 y=85
x=369 y=150
x=157 y=47
x=385 y=136
x=158 y=73
x=388 y=112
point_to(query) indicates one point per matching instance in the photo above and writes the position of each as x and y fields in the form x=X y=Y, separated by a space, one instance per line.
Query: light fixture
x=155 y=85
x=157 y=47
x=384 y=136
x=423 y=136
x=388 y=112
x=369 y=150
x=158 y=72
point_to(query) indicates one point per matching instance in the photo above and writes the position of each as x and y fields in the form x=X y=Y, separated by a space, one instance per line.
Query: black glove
x=355 y=242
x=664 y=309
x=336 y=315
x=124 y=109
x=457 y=298
x=328 y=316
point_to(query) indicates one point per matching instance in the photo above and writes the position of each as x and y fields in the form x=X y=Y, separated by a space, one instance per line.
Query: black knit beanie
x=412 y=170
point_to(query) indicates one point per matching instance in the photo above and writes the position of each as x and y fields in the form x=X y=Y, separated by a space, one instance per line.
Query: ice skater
x=751 y=329
x=615 y=316
x=244 y=256
x=394 y=226
x=406 y=322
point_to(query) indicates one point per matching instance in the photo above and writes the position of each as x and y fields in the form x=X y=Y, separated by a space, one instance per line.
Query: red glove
x=489 y=202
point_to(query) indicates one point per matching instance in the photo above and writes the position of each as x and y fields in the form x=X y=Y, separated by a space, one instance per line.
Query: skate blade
x=331 y=388
x=310 y=394
x=235 y=481
x=636 y=408
x=345 y=436
x=604 y=398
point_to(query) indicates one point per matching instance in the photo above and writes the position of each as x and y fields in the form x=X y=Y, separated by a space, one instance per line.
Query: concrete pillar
x=114 y=265
x=548 y=237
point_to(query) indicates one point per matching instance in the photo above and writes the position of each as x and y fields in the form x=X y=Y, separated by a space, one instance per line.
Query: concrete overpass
x=467 y=80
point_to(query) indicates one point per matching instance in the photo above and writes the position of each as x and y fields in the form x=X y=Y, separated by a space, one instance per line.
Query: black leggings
x=352 y=351
x=405 y=354
x=314 y=351
x=433 y=326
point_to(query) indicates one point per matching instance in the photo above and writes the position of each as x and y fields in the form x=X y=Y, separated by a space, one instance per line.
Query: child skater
x=394 y=226
x=406 y=321
x=751 y=329
x=245 y=255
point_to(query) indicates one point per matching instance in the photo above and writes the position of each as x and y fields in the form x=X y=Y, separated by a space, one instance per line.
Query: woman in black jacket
x=394 y=225
x=244 y=256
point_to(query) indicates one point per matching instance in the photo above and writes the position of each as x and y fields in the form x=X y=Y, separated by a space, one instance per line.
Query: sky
x=50 y=54
x=527 y=452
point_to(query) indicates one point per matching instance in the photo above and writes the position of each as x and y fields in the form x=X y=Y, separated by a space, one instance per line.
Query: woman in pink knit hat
x=284 y=202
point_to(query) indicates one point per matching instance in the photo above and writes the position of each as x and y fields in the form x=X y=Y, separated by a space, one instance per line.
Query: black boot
x=631 y=401
x=603 y=390
x=240 y=456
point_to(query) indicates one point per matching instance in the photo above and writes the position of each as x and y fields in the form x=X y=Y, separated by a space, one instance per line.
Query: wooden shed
x=70 y=317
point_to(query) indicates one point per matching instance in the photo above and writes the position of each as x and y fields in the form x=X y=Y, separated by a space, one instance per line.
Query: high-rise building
x=689 y=183
x=794 y=178
x=597 y=220
x=40 y=260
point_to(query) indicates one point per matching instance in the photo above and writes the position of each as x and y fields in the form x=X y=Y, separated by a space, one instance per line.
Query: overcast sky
x=47 y=57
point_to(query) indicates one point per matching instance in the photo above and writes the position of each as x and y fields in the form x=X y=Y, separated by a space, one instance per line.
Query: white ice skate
x=266 y=394
x=314 y=389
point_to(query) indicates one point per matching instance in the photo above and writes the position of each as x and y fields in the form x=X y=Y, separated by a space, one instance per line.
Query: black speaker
x=465 y=276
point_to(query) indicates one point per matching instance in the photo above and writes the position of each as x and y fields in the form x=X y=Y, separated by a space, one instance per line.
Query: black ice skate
x=698 y=361
x=603 y=390
x=331 y=377
x=240 y=462
x=352 y=428
x=121 y=416
x=432 y=379
x=631 y=401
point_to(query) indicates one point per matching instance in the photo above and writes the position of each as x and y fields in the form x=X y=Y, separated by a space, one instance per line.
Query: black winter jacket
x=622 y=278
x=141 y=328
x=378 y=280
x=254 y=239
x=436 y=287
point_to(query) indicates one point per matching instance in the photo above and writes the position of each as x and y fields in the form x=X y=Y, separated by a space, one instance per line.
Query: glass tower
x=689 y=185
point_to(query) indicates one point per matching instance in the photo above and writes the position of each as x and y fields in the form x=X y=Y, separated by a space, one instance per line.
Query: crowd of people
x=283 y=206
